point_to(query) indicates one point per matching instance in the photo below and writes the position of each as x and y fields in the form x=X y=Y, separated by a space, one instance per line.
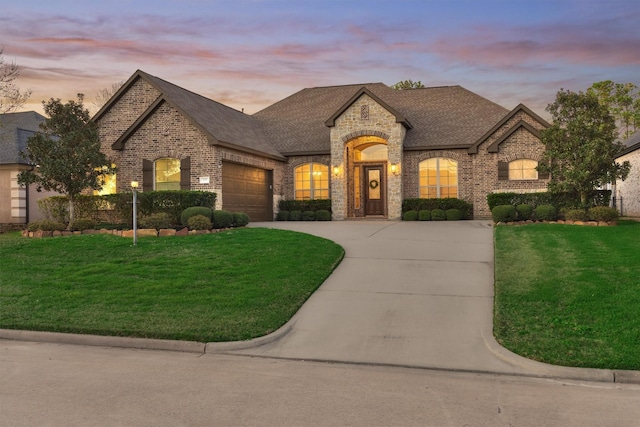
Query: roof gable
x=331 y=121
x=221 y=125
x=519 y=108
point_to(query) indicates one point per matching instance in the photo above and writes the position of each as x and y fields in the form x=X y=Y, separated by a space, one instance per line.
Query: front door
x=374 y=194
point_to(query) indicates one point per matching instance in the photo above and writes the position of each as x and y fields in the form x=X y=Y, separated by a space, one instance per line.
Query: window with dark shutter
x=503 y=171
x=147 y=175
x=185 y=173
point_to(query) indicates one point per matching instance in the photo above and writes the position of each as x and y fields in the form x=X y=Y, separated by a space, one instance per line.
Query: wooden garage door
x=247 y=189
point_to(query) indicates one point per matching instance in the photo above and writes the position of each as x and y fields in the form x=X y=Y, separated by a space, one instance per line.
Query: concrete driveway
x=407 y=293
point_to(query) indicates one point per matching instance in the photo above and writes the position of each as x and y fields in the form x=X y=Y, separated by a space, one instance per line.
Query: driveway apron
x=407 y=293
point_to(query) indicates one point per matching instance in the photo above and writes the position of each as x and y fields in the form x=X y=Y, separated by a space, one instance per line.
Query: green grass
x=234 y=285
x=569 y=295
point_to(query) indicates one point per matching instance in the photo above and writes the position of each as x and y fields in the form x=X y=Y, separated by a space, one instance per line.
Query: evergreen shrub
x=546 y=213
x=424 y=215
x=453 y=214
x=438 y=215
x=222 y=219
x=410 y=216
x=503 y=213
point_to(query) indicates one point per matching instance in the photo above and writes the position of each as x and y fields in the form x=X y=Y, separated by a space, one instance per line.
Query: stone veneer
x=628 y=191
x=352 y=124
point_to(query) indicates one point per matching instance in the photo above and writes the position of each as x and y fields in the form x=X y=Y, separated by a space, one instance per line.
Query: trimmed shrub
x=410 y=216
x=418 y=204
x=546 y=213
x=323 y=215
x=157 y=220
x=603 y=213
x=524 y=211
x=453 y=214
x=438 y=215
x=199 y=222
x=240 y=219
x=193 y=211
x=46 y=225
x=503 y=213
x=81 y=224
x=308 y=216
x=561 y=200
x=305 y=205
x=575 y=215
x=222 y=219
x=282 y=216
x=424 y=215
x=295 y=215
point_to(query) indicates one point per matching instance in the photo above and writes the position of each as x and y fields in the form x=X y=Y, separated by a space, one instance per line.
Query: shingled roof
x=15 y=129
x=221 y=124
x=441 y=117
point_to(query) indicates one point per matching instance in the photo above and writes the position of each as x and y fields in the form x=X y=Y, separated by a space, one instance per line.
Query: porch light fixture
x=336 y=170
x=134 y=187
x=394 y=168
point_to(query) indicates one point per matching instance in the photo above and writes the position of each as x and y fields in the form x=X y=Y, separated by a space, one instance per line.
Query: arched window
x=167 y=174
x=438 y=178
x=311 y=181
x=523 y=169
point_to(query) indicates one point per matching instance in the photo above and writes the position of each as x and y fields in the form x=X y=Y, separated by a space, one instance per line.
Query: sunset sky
x=249 y=54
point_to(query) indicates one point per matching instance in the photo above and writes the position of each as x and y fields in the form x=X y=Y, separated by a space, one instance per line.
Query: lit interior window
x=438 y=178
x=523 y=169
x=167 y=174
x=311 y=181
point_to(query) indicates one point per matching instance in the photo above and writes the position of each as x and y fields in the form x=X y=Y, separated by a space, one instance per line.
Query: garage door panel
x=247 y=189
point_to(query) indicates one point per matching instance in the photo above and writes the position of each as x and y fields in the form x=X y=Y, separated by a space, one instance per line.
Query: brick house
x=366 y=146
x=628 y=191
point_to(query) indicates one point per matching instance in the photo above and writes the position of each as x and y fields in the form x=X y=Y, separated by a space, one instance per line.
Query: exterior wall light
x=336 y=170
x=394 y=168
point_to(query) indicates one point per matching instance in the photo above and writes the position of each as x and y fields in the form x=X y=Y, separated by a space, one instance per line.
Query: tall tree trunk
x=72 y=213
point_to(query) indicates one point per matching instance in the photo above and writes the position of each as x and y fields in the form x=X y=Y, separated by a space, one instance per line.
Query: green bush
x=603 y=213
x=240 y=219
x=199 y=222
x=575 y=215
x=305 y=205
x=308 y=216
x=438 y=215
x=453 y=214
x=295 y=215
x=561 y=200
x=81 y=224
x=323 y=215
x=157 y=220
x=546 y=213
x=503 y=213
x=222 y=219
x=424 y=215
x=418 y=204
x=282 y=216
x=524 y=211
x=46 y=225
x=55 y=208
x=410 y=216
x=195 y=210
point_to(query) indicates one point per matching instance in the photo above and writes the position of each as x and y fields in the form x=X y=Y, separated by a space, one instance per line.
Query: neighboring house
x=18 y=204
x=628 y=191
x=366 y=147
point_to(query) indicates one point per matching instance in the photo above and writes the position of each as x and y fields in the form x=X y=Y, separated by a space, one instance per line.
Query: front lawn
x=569 y=295
x=235 y=285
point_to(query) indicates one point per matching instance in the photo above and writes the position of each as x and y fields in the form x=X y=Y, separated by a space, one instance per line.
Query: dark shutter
x=147 y=175
x=543 y=175
x=185 y=173
x=503 y=171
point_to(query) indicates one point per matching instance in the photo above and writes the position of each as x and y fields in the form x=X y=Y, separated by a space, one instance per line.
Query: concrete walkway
x=407 y=293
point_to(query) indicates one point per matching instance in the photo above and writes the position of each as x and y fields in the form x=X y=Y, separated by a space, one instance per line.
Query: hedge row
x=433 y=215
x=305 y=205
x=559 y=200
x=524 y=212
x=465 y=208
x=118 y=208
x=297 y=215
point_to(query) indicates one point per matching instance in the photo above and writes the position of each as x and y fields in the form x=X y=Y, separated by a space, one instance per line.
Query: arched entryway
x=367 y=161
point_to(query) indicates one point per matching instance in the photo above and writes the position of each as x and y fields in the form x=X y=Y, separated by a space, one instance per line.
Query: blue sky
x=249 y=54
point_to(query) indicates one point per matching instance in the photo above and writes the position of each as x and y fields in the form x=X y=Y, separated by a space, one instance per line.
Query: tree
x=105 y=94
x=623 y=102
x=407 y=84
x=66 y=152
x=581 y=145
x=10 y=96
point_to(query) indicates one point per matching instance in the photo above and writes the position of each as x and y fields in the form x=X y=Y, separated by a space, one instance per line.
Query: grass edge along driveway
x=236 y=285
x=569 y=295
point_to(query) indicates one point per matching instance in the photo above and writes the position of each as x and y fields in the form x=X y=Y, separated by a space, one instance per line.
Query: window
x=438 y=178
x=523 y=169
x=375 y=152
x=311 y=181
x=167 y=174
